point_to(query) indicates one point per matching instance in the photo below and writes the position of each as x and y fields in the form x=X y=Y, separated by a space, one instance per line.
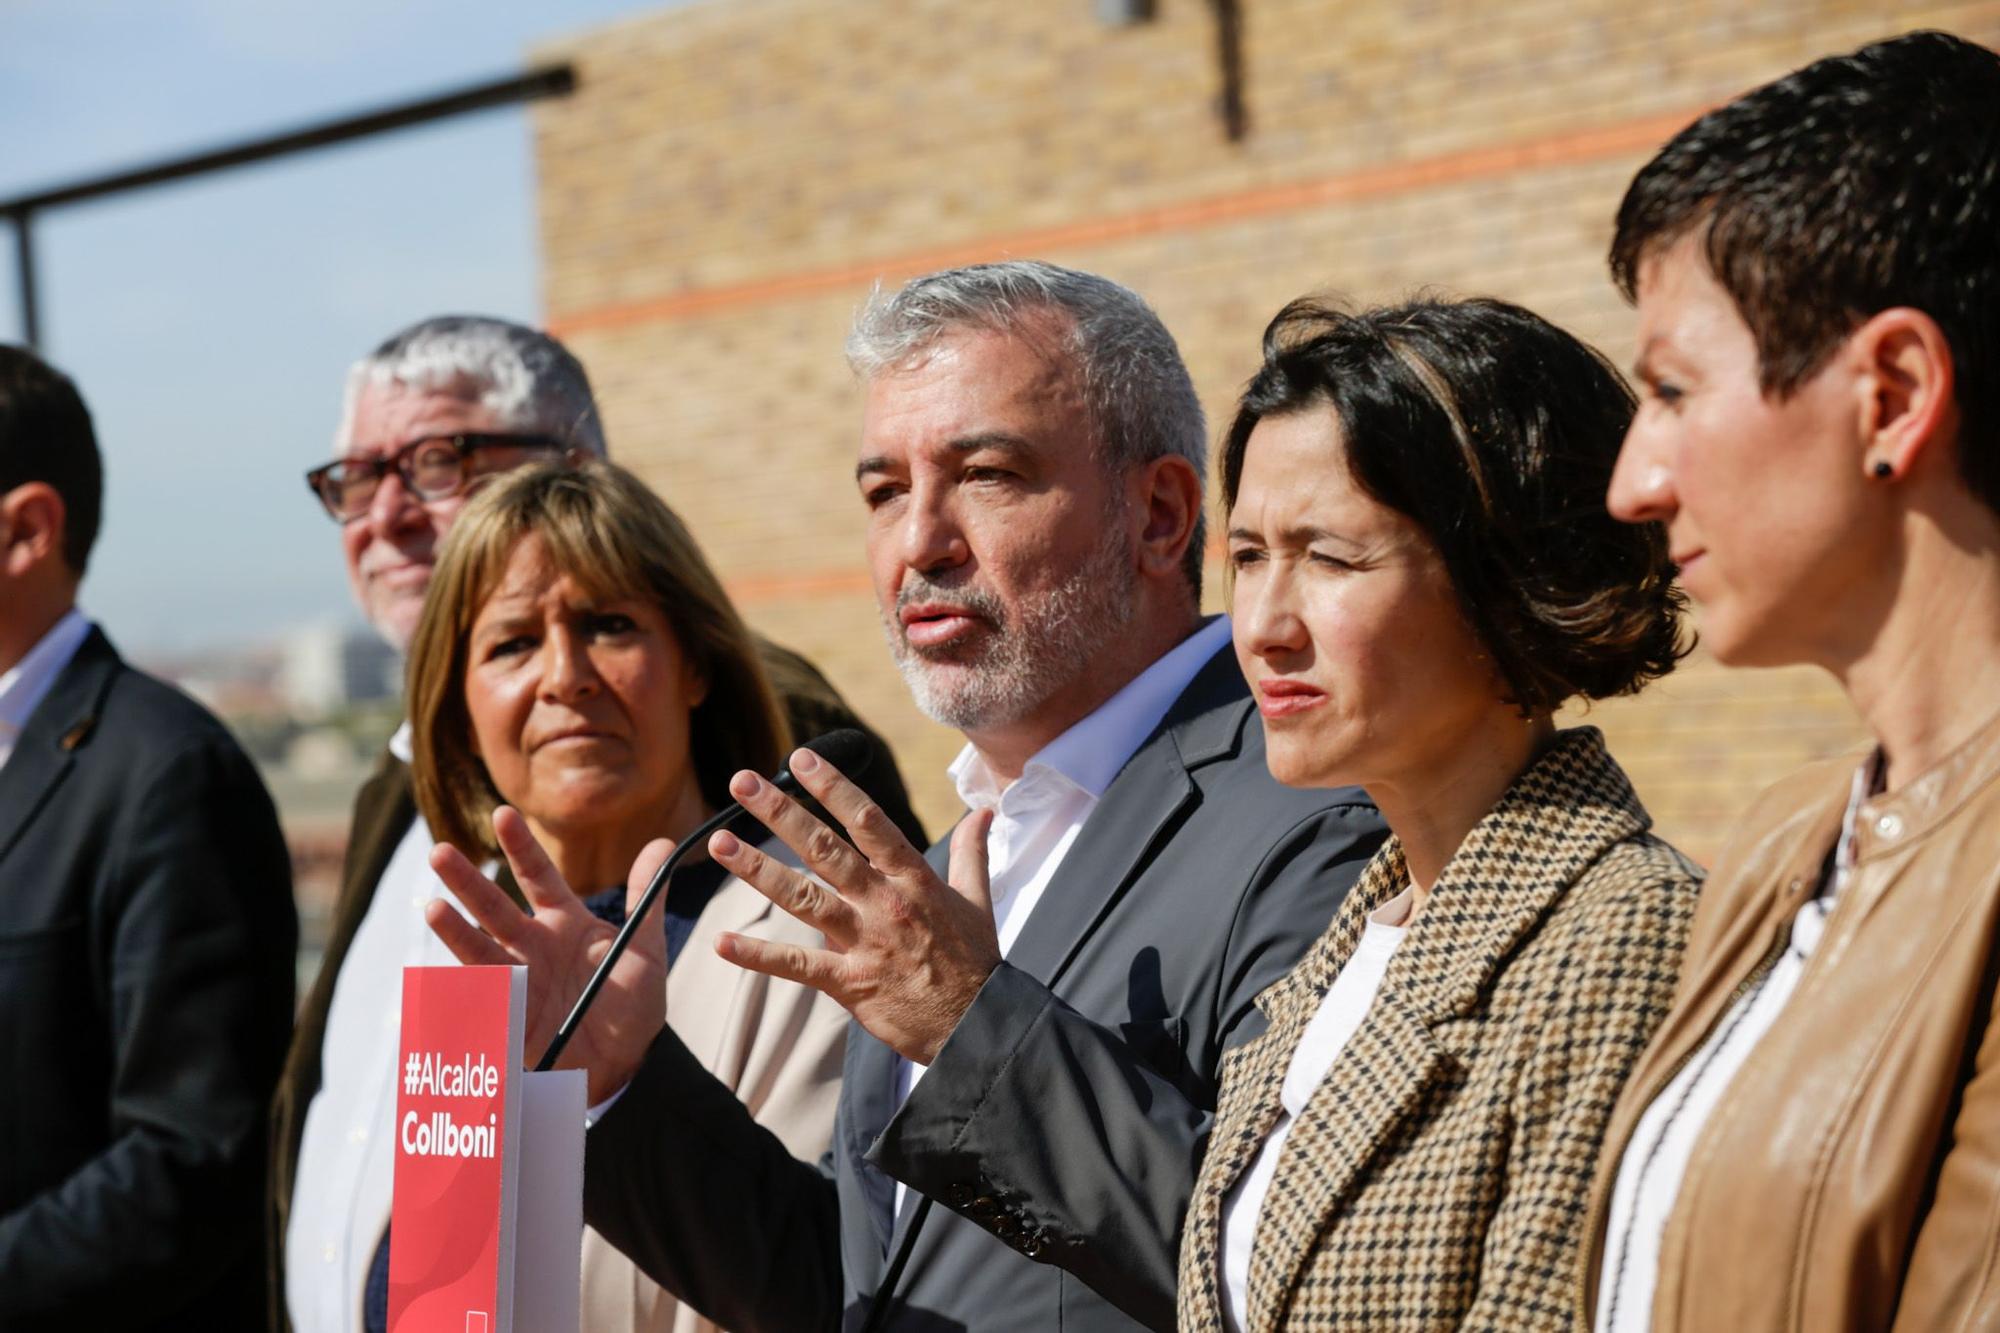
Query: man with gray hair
x=1042 y=1005
x=429 y=414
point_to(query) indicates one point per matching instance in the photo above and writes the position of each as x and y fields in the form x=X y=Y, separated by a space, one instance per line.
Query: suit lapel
x=1137 y=813
x=60 y=725
x=1135 y=817
x=1252 y=1078
x=31 y=775
x=1382 y=1077
x=384 y=810
x=1137 y=810
x=1512 y=868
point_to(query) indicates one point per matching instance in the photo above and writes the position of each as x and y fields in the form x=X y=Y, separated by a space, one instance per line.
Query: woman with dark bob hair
x=1423 y=574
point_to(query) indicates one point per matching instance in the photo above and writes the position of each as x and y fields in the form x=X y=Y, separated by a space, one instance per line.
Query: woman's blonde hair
x=601 y=526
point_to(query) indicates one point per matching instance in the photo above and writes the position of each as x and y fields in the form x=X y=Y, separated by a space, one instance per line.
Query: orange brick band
x=1628 y=136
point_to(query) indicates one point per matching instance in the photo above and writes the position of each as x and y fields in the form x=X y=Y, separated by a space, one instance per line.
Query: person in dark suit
x=147 y=938
x=1044 y=1004
x=431 y=413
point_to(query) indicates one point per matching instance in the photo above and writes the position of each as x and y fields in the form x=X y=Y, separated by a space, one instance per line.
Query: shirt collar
x=29 y=680
x=399 y=743
x=1890 y=819
x=1091 y=753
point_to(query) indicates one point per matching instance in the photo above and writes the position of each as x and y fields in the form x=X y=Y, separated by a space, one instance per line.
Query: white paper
x=510 y=1154
x=547 y=1204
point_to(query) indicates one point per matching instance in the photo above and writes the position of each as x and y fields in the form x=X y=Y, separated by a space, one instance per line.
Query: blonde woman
x=578 y=662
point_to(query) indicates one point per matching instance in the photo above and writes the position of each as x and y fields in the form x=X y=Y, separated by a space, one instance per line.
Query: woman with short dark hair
x=1423 y=573
x=1812 y=1142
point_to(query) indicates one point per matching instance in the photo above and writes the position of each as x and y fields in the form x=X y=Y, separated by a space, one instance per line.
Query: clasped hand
x=906 y=952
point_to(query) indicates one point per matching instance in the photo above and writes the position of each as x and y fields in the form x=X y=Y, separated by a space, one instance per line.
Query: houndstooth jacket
x=1438 y=1177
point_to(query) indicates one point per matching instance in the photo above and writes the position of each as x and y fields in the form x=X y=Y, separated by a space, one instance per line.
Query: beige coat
x=776 y=1044
x=1436 y=1178
x=1849 y=1178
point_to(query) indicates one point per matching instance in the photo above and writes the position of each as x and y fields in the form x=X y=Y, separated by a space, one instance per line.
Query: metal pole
x=24 y=260
x=1230 y=103
x=549 y=81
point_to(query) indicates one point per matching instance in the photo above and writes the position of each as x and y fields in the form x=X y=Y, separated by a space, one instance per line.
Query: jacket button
x=1890 y=826
x=958 y=1195
x=1006 y=1227
x=984 y=1206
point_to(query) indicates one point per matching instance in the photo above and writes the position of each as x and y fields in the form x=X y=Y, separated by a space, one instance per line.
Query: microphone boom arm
x=654 y=888
x=847 y=750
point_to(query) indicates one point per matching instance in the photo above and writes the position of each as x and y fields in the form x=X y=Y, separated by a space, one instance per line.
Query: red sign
x=451 y=1240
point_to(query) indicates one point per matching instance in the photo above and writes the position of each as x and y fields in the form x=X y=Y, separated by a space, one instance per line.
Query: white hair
x=1135 y=386
x=522 y=375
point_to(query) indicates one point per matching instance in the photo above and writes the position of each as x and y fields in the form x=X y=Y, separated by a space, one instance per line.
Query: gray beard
x=1026 y=660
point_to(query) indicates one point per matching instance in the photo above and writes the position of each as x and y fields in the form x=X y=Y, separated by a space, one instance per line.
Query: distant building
x=329 y=666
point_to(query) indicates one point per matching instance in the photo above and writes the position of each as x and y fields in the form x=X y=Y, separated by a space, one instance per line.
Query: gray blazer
x=1059 y=1130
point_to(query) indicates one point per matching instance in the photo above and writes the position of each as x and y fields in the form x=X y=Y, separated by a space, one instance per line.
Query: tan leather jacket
x=1850 y=1176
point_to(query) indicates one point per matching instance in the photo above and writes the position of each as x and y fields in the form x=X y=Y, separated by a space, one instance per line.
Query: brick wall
x=732 y=176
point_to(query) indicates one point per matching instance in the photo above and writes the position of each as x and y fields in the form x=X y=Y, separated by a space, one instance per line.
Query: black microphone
x=848 y=750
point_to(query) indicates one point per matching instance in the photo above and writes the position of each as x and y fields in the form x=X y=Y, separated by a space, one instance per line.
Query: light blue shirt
x=29 y=680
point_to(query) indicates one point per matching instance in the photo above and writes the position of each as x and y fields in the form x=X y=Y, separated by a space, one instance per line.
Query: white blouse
x=1656 y=1159
x=1338 y=1018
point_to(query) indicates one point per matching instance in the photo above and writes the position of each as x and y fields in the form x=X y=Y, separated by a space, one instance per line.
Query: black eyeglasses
x=433 y=468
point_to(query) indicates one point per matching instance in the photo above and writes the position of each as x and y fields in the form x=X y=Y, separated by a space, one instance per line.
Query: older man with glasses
x=429 y=414
x=435 y=467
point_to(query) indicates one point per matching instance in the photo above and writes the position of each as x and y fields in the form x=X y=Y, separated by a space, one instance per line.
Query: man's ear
x=33 y=519
x=1906 y=385
x=1171 y=500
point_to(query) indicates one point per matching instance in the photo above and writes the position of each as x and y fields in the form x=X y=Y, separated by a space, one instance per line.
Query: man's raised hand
x=906 y=951
x=561 y=944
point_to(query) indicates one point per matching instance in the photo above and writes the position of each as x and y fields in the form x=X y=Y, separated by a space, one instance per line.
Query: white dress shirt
x=29 y=680
x=1339 y=1016
x=1038 y=815
x=340 y=1199
x=1656 y=1159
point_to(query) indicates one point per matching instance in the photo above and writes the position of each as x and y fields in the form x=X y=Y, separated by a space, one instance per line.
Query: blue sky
x=209 y=323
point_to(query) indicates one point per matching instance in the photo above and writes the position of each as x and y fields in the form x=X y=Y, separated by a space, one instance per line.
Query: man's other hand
x=906 y=951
